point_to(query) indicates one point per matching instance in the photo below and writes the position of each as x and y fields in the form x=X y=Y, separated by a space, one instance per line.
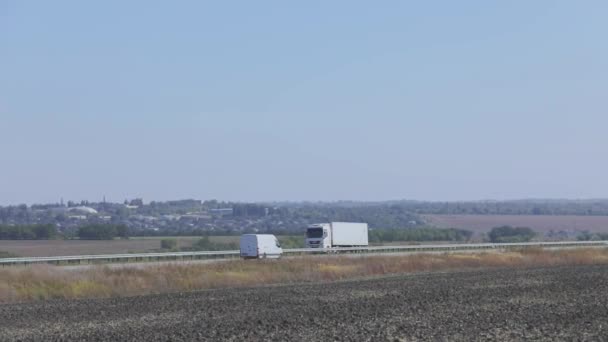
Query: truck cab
x=318 y=236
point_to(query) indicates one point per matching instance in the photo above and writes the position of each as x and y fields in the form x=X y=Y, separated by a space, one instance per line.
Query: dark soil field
x=546 y=304
x=540 y=223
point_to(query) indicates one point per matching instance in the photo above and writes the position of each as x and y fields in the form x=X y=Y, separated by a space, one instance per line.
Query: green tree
x=419 y=234
x=506 y=234
x=97 y=232
x=168 y=244
x=28 y=232
x=585 y=236
x=204 y=244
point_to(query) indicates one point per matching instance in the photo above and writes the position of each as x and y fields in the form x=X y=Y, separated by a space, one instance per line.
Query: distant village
x=212 y=217
x=175 y=217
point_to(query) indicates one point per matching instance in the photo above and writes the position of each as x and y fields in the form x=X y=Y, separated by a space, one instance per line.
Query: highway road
x=216 y=255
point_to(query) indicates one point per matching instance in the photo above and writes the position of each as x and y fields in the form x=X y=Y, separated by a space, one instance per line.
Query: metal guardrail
x=108 y=258
x=178 y=256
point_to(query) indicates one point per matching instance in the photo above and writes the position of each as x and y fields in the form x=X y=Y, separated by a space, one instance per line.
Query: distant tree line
x=419 y=234
x=102 y=231
x=376 y=215
x=516 y=207
x=508 y=234
x=292 y=241
x=204 y=244
x=187 y=232
x=170 y=244
x=7 y=255
x=588 y=236
x=28 y=232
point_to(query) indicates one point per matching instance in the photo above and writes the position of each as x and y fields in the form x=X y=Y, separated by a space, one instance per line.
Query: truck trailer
x=260 y=246
x=337 y=234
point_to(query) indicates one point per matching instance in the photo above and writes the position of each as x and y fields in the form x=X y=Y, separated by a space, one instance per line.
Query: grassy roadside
x=42 y=282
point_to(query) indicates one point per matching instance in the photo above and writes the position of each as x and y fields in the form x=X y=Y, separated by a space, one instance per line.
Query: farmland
x=44 y=282
x=546 y=304
x=35 y=248
x=38 y=248
x=540 y=223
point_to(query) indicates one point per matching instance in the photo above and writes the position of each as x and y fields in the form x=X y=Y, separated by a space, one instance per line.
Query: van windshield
x=314 y=233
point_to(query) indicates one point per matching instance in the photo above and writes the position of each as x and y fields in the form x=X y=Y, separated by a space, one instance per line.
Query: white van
x=260 y=246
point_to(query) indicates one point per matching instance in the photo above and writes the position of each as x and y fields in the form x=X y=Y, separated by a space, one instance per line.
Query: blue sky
x=316 y=100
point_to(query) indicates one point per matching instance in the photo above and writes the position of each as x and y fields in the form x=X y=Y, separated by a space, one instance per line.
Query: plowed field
x=560 y=303
x=540 y=223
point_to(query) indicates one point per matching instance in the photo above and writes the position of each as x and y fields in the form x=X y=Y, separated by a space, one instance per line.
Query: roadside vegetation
x=208 y=242
x=40 y=282
x=168 y=244
x=28 y=232
x=7 y=255
x=419 y=235
x=588 y=236
x=50 y=232
x=205 y=244
x=508 y=234
x=102 y=231
x=223 y=243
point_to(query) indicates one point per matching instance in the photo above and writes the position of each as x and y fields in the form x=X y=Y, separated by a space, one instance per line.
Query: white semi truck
x=337 y=234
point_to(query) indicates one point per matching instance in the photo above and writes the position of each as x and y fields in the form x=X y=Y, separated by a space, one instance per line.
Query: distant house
x=194 y=217
x=83 y=210
x=171 y=217
x=222 y=211
x=145 y=218
x=80 y=210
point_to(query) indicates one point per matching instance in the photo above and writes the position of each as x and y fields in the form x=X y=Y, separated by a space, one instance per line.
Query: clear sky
x=308 y=100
